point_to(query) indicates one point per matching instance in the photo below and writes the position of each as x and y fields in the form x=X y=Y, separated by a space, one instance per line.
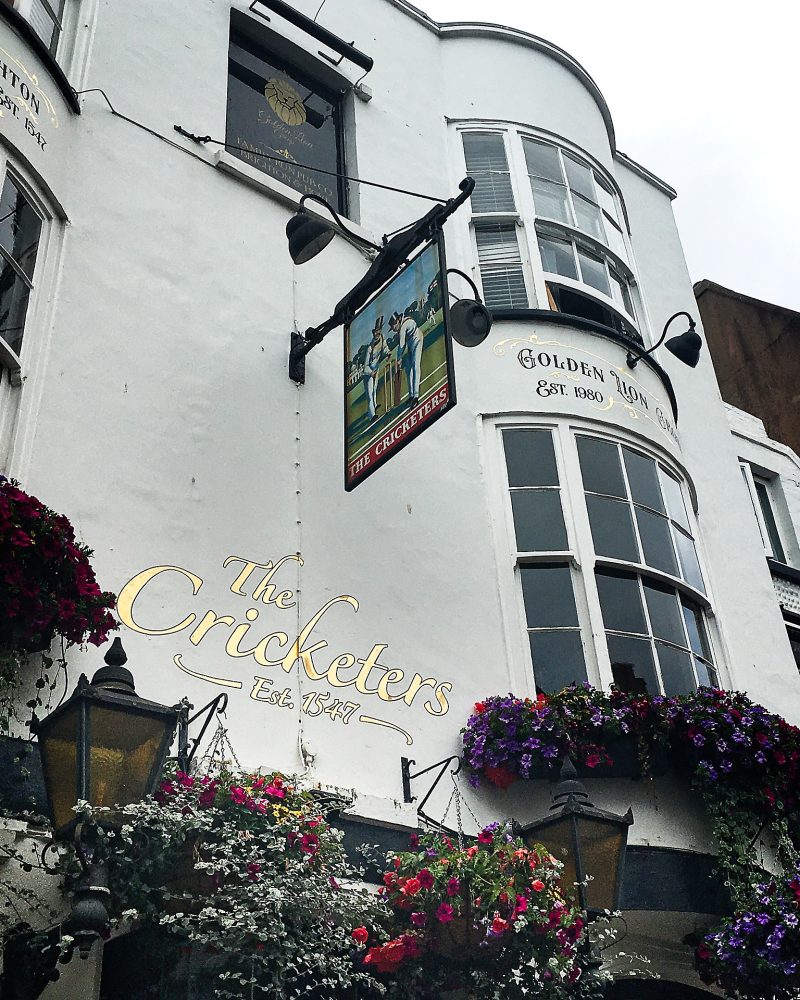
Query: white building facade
x=572 y=518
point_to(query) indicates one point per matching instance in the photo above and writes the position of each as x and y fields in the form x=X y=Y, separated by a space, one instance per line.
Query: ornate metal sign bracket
x=408 y=777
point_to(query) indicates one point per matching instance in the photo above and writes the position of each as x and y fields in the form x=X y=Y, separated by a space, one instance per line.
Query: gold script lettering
x=134 y=587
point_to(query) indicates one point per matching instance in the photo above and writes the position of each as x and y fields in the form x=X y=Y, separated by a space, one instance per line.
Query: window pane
x=612 y=528
x=762 y=493
x=673 y=495
x=557 y=660
x=542 y=160
x=627 y=652
x=643 y=479
x=676 y=670
x=620 y=292
x=530 y=458
x=656 y=541
x=274 y=106
x=20 y=226
x=690 y=567
x=558 y=257
x=695 y=627
x=538 y=521
x=606 y=199
x=593 y=271
x=614 y=240
x=551 y=201
x=666 y=619
x=706 y=674
x=600 y=467
x=486 y=161
x=621 y=602
x=13 y=306
x=579 y=178
x=549 y=597
x=42 y=22
x=501 y=267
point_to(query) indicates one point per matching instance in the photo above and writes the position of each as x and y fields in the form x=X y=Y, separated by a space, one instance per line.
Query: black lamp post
x=107 y=746
x=589 y=842
x=686 y=346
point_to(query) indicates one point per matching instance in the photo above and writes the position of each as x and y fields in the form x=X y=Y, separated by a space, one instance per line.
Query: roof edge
x=646 y=175
x=706 y=285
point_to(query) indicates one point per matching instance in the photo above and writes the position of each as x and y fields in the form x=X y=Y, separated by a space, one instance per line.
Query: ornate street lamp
x=589 y=842
x=105 y=745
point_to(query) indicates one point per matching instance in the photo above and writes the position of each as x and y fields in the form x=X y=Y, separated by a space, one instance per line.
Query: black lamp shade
x=470 y=322
x=686 y=347
x=587 y=844
x=307 y=237
x=105 y=745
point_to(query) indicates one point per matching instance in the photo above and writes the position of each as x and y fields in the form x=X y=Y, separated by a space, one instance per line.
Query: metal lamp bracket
x=185 y=754
x=408 y=777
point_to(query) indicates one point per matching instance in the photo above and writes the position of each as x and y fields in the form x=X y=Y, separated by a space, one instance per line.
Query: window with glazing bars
x=548 y=592
x=20 y=228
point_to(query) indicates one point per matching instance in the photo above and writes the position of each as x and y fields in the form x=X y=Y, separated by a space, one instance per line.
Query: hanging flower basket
x=47 y=584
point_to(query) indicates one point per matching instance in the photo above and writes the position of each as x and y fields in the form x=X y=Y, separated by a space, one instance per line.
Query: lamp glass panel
x=557 y=836
x=601 y=845
x=123 y=749
x=58 y=746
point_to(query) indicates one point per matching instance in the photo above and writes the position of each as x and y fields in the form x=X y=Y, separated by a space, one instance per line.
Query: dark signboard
x=276 y=111
x=398 y=365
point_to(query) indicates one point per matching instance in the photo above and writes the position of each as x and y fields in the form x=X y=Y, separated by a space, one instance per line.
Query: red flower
x=500 y=776
x=444 y=913
x=485 y=837
x=453 y=887
x=360 y=935
x=537 y=885
x=499 y=926
x=425 y=878
x=480 y=708
x=412 y=886
x=592 y=759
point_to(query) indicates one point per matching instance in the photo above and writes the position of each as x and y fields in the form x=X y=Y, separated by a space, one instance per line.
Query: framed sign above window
x=283 y=122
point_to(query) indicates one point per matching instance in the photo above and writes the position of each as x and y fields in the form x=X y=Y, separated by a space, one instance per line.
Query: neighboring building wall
x=756 y=350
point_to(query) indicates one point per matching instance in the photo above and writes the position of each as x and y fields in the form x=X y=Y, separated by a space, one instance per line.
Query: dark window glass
x=558 y=257
x=690 y=567
x=593 y=270
x=794 y=642
x=676 y=670
x=14 y=293
x=769 y=520
x=630 y=654
x=666 y=620
x=485 y=157
x=643 y=479
x=538 y=521
x=612 y=528
x=530 y=458
x=695 y=628
x=621 y=602
x=580 y=178
x=706 y=674
x=45 y=19
x=600 y=467
x=557 y=659
x=276 y=111
x=20 y=227
x=656 y=541
x=549 y=597
x=542 y=160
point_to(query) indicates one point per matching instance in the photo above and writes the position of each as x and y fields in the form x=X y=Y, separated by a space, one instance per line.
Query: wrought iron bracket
x=408 y=777
x=185 y=753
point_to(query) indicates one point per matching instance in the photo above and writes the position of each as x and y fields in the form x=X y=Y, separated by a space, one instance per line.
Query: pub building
x=586 y=510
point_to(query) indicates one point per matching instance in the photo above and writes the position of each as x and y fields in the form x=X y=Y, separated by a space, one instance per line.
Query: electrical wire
x=203 y=139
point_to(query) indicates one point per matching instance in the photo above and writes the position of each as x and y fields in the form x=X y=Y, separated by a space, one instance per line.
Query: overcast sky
x=706 y=97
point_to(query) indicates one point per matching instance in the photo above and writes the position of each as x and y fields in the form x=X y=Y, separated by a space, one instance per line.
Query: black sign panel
x=275 y=111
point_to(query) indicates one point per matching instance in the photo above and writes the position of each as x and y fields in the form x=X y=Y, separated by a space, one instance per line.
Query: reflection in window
x=548 y=593
x=20 y=228
x=636 y=510
x=657 y=640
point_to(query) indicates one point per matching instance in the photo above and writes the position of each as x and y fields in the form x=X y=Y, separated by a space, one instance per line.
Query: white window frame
x=24 y=8
x=579 y=555
x=9 y=358
x=536 y=278
x=751 y=478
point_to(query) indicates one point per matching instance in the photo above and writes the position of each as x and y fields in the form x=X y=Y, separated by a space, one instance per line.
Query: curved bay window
x=532 y=194
x=640 y=573
x=20 y=230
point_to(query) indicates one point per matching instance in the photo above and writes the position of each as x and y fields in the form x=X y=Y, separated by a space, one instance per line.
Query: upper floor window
x=639 y=579
x=537 y=195
x=762 y=497
x=20 y=230
x=283 y=122
x=44 y=16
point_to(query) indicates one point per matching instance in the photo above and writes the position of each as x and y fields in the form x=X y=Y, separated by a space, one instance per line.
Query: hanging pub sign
x=398 y=365
x=282 y=122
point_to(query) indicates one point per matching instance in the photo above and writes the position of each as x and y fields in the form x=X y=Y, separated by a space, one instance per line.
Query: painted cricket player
x=409 y=351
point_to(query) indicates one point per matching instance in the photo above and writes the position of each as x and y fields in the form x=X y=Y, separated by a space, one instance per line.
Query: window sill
x=232 y=165
x=26 y=32
x=639 y=569
x=782 y=570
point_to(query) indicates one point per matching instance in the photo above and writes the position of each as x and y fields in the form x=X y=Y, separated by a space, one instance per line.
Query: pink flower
x=412 y=886
x=453 y=887
x=499 y=926
x=238 y=795
x=413 y=840
x=425 y=878
x=309 y=843
x=537 y=885
x=444 y=913
x=275 y=792
x=252 y=870
x=419 y=919
x=485 y=837
x=522 y=904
